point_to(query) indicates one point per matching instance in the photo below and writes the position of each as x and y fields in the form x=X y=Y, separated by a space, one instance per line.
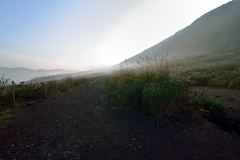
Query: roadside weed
x=36 y=91
x=153 y=85
x=222 y=75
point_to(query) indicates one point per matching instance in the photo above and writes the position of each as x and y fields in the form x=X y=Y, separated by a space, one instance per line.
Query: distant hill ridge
x=216 y=32
x=19 y=74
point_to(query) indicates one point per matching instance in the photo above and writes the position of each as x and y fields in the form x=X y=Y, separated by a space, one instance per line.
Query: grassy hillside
x=225 y=74
x=216 y=32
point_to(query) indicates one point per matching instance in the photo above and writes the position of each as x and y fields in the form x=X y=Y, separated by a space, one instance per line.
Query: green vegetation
x=199 y=105
x=235 y=134
x=223 y=75
x=152 y=85
x=35 y=91
x=4 y=114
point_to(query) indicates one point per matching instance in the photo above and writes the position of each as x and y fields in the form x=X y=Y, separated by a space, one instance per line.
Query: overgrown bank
x=151 y=85
x=221 y=75
x=17 y=94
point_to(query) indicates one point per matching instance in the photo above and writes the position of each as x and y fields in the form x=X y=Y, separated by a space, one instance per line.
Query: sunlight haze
x=90 y=34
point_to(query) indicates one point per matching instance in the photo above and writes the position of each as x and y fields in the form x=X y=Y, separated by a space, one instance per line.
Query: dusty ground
x=77 y=125
x=230 y=121
x=230 y=98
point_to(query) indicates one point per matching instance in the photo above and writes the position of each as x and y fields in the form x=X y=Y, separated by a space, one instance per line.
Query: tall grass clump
x=148 y=84
x=4 y=90
x=69 y=83
x=152 y=84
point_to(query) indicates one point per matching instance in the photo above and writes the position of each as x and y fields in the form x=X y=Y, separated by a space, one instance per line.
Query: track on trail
x=79 y=125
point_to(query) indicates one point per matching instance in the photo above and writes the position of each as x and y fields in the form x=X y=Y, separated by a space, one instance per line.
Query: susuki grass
x=36 y=91
x=224 y=75
x=153 y=85
x=4 y=90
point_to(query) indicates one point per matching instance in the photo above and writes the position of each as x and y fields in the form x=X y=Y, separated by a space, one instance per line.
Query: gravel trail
x=79 y=125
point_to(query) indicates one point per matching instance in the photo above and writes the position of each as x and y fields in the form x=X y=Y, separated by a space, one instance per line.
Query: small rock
x=31 y=103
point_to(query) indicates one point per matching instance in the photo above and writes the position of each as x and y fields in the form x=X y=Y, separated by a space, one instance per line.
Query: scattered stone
x=231 y=99
x=39 y=101
x=31 y=103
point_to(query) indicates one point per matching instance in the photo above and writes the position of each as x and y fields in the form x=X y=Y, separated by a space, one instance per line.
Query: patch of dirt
x=78 y=125
x=230 y=120
x=230 y=98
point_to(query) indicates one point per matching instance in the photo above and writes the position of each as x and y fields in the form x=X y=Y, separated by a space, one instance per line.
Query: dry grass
x=36 y=91
x=155 y=85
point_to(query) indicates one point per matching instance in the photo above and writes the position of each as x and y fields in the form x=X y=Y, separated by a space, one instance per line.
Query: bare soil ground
x=230 y=98
x=230 y=121
x=78 y=125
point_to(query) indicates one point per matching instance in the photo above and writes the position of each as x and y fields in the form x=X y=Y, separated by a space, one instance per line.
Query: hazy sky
x=88 y=34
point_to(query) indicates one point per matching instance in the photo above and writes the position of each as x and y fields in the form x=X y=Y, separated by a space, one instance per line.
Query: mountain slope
x=217 y=31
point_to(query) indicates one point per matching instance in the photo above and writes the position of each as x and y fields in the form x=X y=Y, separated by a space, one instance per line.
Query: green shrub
x=204 y=106
x=5 y=113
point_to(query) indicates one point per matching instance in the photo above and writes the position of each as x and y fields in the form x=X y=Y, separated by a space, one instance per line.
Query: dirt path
x=77 y=125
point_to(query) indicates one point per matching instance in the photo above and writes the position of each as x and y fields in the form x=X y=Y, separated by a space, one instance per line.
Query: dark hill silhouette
x=217 y=31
